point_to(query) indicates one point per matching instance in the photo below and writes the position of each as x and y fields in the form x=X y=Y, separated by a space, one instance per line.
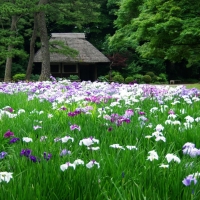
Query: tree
x=161 y=29
x=46 y=12
x=10 y=39
x=41 y=21
x=15 y=22
x=32 y=48
x=64 y=12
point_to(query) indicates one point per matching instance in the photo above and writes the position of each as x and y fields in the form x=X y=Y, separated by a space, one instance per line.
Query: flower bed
x=71 y=140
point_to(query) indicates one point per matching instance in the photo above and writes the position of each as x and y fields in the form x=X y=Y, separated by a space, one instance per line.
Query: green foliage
x=162 y=77
x=118 y=78
x=147 y=79
x=114 y=73
x=107 y=76
x=137 y=76
x=61 y=48
x=132 y=68
x=74 y=77
x=102 y=79
x=151 y=74
x=34 y=77
x=129 y=79
x=159 y=29
x=18 y=68
x=19 y=77
x=8 y=37
x=124 y=174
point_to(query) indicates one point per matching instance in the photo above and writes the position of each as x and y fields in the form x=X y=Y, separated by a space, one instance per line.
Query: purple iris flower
x=3 y=154
x=25 y=152
x=47 y=156
x=33 y=158
x=63 y=108
x=65 y=152
x=129 y=113
x=9 y=109
x=190 y=149
x=141 y=113
x=13 y=140
x=110 y=129
x=8 y=134
x=189 y=179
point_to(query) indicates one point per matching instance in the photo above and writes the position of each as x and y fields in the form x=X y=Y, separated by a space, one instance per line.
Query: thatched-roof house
x=84 y=65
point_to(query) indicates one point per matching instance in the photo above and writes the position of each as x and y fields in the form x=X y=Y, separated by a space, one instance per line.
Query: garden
x=98 y=140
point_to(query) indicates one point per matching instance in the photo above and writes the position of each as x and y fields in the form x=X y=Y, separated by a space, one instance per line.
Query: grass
x=103 y=111
x=196 y=85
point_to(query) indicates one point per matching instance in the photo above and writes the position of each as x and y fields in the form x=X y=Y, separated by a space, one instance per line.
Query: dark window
x=55 y=68
x=69 y=68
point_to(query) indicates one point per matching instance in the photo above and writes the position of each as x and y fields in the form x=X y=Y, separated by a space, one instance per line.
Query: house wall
x=64 y=70
x=88 y=72
x=85 y=71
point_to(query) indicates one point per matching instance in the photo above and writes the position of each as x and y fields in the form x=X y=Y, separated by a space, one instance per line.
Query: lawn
x=196 y=85
x=82 y=140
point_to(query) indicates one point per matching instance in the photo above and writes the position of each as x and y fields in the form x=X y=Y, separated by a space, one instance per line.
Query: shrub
x=162 y=77
x=102 y=78
x=151 y=74
x=19 y=77
x=114 y=73
x=129 y=79
x=107 y=76
x=147 y=79
x=74 y=77
x=35 y=77
x=138 y=77
x=118 y=78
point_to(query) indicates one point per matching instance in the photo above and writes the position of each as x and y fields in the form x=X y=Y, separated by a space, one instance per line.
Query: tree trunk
x=45 y=72
x=8 y=69
x=32 y=48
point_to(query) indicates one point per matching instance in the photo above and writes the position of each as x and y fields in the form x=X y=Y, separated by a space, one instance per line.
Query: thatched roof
x=87 y=52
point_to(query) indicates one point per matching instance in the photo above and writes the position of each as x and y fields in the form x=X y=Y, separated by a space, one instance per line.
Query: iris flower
x=74 y=126
x=191 y=178
x=66 y=165
x=65 y=152
x=159 y=127
x=88 y=141
x=8 y=134
x=189 y=148
x=117 y=146
x=27 y=139
x=13 y=140
x=129 y=113
x=47 y=156
x=93 y=148
x=131 y=147
x=5 y=176
x=78 y=162
x=36 y=127
x=92 y=163
x=66 y=138
x=164 y=166
x=25 y=152
x=43 y=138
x=173 y=157
x=3 y=154
x=152 y=155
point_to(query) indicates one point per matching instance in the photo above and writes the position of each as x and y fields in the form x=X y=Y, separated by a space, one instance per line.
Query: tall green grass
x=123 y=174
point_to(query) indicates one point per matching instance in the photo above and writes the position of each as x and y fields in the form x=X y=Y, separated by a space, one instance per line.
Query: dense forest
x=138 y=36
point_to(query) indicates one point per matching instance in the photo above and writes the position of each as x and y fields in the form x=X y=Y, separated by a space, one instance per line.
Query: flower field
x=61 y=140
